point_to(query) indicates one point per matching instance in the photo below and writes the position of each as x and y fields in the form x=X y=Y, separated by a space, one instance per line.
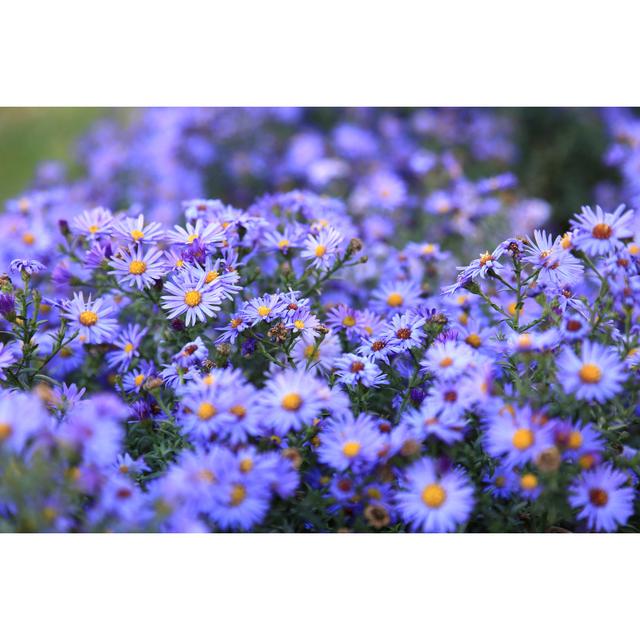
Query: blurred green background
x=560 y=149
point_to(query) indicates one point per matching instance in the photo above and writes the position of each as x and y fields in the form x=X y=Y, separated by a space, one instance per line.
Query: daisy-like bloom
x=290 y=400
x=93 y=224
x=446 y=397
x=429 y=422
x=22 y=416
x=434 y=502
x=8 y=355
x=232 y=330
x=321 y=250
x=26 y=266
x=223 y=279
x=350 y=443
x=576 y=440
x=211 y=234
x=127 y=466
x=447 y=360
x=557 y=265
x=264 y=309
x=304 y=323
x=192 y=297
x=517 y=435
x=528 y=485
x=574 y=327
x=343 y=318
x=191 y=353
x=352 y=369
x=90 y=318
x=502 y=482
x=323 y=355
x=282 y=241
x=482 y=265
x=396 y=297
x=133 y=230
x=597 y=233
x=132 y=266
x=134 y=380
x=376 y=348
x=596 y=374
x=404 y=332
x=127 y=345
x=603 y=498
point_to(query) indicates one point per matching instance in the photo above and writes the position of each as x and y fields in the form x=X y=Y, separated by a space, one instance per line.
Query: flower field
x=322 y=320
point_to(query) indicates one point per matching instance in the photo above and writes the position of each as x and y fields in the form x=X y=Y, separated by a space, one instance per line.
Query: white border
x=328 y=587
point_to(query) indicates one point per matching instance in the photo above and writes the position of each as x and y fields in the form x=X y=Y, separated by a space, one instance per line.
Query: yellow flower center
x=320 y=250
x=575 y=440
x=428 y=249
x=179 y=263
x=291 y=402
x=446 y=362
x=283 y=244
x=522 y=439
x=394 y=299
x=139 y=379
x=238 y=494
x=246 y=464
x=5 y=430
x=206 y=411
x=128 y=348
x=207 y=476
x=602 y=231
x=434 y=495
x=528 y=482
x=192 y=237
x=311 y=353
x=351 y=449
x=298 y=324
x=263 y=311
x=473 y=340
x=634 y=249
x=512 y=308
x=28 y=238
x=88 y=318
x=137 y=267
x=94 y=228
x=484 y=258
x=137 y=235
x=238 y=411
x=590 y=373
x=348 y=321
x=211 y=276
x=525 y=341
x=235 y=322
x=192 y=298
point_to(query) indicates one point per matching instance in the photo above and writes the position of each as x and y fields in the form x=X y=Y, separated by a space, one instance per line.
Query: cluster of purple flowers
x=309 y=362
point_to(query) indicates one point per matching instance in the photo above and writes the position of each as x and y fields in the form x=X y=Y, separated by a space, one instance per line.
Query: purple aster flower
x=322 y=249
x=447 y=360
x=597 y=233
x=211 y=234
x=90 y=318
x=94 y=223
x=394 y=297
x=8 y=355
x=132 y=266
x=22 y=416
x=350 y=443
x=352 y=369
x=434 y=502
x=292 y=399
x=134 y=230
x=603 y=498
x=517 y=435
x=404 y=332
x=192 y=297
x=26 y=266
x=7 y=304
x=127 y=344
x=595 y=374
x=263 y=309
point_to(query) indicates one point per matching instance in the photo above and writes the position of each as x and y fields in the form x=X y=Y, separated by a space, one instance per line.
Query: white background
x=311 y=53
